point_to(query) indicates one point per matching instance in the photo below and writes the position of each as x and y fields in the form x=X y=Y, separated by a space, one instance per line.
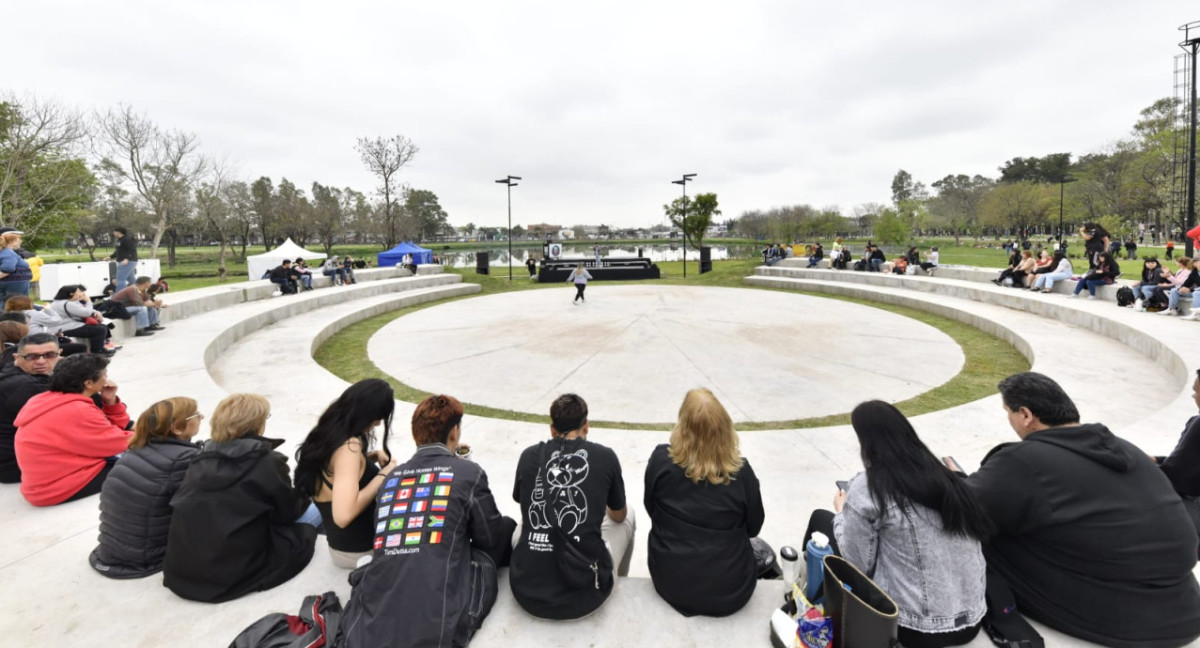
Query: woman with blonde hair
x=15 y=273
x=135 y=501
x=704 y=501
x=580 y=277
x=238 y=524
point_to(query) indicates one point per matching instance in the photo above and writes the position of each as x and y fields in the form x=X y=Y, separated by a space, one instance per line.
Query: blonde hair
x=1185 y=262
x=703 y=442
x=8 y=238
x=239 y=415
x=160 y=420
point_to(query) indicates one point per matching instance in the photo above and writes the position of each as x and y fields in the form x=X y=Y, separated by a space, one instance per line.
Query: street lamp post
x=509 y=181
x=1191 y=44
x=1062 y=235
x=682 y=182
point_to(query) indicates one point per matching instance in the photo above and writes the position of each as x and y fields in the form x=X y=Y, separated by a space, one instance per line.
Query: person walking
x=580 y=276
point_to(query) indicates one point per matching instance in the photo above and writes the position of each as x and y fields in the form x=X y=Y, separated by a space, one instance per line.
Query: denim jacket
x=936 y=579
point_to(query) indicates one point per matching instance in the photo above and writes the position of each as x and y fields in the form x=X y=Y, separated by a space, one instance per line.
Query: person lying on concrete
x=135 y=501
x=1090 y=534
x=238 y=525
x=337 y=469
x=576 y=532
x=703 y=500
x=29 y=375
x=439 y=539
x=137 y=300
x=65 y=446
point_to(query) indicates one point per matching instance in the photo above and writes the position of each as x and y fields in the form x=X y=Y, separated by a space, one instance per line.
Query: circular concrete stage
x=633 y=352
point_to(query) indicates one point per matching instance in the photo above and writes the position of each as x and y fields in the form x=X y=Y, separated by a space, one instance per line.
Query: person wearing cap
x=15 y=273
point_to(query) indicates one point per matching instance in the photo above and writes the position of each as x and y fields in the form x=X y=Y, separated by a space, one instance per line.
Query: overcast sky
x=598 y=106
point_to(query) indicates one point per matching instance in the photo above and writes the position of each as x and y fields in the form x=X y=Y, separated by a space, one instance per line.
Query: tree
x=1019 y=205
x=384 y=157
x=428 y=217
x=908 y=197
x=892 y=228
x=956 y=205
x=163 y=166
x=329 y=218
x=213 y=208
x=44 y=182
x=1051 y=169
x=241 y=211
x=693 y=216
x=262 y=194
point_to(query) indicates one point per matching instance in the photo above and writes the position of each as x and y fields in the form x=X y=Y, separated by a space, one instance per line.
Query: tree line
x=1134 y=184
x=71 y=175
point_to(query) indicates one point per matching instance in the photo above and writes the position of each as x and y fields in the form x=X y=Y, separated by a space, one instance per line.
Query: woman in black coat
x=705 y=505
x=238 y=525
x=135 y=501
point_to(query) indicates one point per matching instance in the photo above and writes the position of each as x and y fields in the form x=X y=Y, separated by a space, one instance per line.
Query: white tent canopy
x=259 y=264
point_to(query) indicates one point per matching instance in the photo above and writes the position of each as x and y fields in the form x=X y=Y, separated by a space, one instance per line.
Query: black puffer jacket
x=16 y=387
x=233 y=529
x=135 y=508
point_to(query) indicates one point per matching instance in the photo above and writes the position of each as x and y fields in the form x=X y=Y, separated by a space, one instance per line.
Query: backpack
x=1125 y=296
x=314 y=626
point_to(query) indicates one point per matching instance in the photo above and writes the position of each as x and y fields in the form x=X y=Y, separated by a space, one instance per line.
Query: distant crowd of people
x=1085 y=532
x=292 y=277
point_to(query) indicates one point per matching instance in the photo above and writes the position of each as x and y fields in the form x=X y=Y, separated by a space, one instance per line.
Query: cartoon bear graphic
x=564 y=474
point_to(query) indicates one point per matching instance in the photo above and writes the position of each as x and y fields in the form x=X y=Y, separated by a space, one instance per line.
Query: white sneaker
x=1073 y=296
x=1170 y=312
x=1140 y=309
x=1137 y=305
x=1091 y=296
x=1193 y=316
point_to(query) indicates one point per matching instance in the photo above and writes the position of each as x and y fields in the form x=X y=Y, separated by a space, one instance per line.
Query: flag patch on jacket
x=394 y=540
x=439 y=504
x=422 y=491
x=420 y=506
x=426 y=478
x=412 y=538
x=445 y=477
x=435 y=537
x=416 y=521
x=441 y=491
x=437 y=520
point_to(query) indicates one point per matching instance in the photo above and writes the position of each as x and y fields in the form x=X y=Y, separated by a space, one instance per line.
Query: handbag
x=576 y=567
x=863 y=615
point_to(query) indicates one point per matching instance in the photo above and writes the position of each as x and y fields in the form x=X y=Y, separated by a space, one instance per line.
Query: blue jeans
x=1147 y=292
x=311 y=516
x=306 y=281
x=1173 y=299
x=1047 y=280
x=144 y=315
x=874 y=264
x=125 y=274
x=13 y=288
x=1091 y=285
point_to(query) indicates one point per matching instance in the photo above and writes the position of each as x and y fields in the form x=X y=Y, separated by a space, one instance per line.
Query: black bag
x=860 y=265
x=863 y=615
x=113 y=310
x=578 y=567
x=314 y=626
x=1125 y=296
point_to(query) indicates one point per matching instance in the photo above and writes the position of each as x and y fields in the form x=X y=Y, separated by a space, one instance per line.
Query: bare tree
x=163 y=166
x=38 y=140
x=384 y=157
x=241 y=206
x=213 y=208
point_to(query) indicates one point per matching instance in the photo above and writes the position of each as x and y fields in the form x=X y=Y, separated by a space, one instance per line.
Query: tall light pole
x=1191 y=43
x=1062 y=192
x=509 y=181
x=682 y=182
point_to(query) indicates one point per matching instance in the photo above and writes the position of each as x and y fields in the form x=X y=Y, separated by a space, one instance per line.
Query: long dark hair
x=901 y=469
x=348 y=417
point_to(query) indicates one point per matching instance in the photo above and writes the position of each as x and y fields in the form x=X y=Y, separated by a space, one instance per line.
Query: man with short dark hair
x=137 y=300
x=1090 y=535
x=576 y=533
x=126 y=257
x=284 y=277
x=28 y=376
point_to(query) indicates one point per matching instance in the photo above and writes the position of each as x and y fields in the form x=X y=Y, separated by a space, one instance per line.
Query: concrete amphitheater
x=660 y=340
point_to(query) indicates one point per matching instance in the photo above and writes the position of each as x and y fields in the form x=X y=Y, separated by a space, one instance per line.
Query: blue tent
x=395 y=255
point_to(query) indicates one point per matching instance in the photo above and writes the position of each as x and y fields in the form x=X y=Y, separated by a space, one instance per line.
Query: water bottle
x=816 y=550
x=791 y=562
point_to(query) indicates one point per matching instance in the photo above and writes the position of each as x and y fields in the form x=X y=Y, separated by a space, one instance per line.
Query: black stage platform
x=552 y=270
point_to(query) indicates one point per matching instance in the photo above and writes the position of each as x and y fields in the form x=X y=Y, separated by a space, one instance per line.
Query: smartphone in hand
x=842 y=485
x=952 y=464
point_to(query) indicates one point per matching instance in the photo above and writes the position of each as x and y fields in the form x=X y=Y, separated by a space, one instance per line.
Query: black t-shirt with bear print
x=566 y=485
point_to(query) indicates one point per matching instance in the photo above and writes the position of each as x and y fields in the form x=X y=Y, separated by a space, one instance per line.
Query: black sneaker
x=155 y=327
x=143 y=332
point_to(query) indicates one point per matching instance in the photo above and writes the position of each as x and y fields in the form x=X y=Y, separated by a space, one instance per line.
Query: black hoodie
x=1091 y=537
x=233 y=529
x=16 y=387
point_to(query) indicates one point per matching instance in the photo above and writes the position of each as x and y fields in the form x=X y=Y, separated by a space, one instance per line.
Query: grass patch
x=987 y=359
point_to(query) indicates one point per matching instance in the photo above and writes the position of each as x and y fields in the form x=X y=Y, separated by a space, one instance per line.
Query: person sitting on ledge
x=1090 y=534
x=65 y=445
x=1182 y=466
x=1061 y=272
x=914 y=527
x=237 y=525
x=576 y=532
x=335 y=467
x=818 y=253
x=1187 y=282
x=135 y=501
x=283 y=276
x=29 y=375
x=136 y=299
x=302 y=274
x=73 y=308
x=11 y=334
x=875 y=259
x=439 y=539
x=1106 y=271
x=900 y=265
x=332 y=268
x=703 y=499
x=931 y=261
x=348 y=265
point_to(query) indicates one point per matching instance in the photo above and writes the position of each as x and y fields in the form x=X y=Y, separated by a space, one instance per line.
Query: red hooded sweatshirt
x=62 y=441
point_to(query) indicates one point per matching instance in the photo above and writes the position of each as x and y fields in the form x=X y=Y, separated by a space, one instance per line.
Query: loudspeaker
x=705 y=259
x=482 y=266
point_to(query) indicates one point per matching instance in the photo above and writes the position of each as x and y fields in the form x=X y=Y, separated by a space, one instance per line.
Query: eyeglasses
x=197 y=415
x=34 y=357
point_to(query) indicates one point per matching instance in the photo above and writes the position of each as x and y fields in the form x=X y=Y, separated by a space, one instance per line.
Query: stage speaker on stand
x=482 y=266
x=705 y=259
